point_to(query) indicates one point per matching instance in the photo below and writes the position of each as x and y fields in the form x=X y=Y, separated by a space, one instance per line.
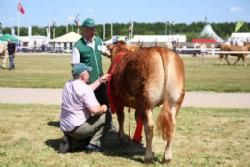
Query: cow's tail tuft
x=164 y=120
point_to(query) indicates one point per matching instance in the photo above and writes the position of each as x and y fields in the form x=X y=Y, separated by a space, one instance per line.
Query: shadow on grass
x=112 y=146
x=54 y=123
x=127 y=148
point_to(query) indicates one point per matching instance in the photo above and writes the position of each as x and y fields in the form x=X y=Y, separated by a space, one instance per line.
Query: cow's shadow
x=112 y=146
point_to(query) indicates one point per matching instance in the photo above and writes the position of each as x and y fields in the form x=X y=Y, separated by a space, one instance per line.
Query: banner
x=238 y=25
x=20 y=8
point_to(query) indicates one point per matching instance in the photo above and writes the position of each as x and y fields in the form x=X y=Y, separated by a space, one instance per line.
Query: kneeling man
x=82 y=117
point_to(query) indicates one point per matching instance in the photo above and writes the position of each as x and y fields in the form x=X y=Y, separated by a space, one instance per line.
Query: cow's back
x=141 y=75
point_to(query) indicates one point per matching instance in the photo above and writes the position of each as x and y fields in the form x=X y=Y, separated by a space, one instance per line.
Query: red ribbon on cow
x=138 y=131
x=115 y=100
x=112 y=98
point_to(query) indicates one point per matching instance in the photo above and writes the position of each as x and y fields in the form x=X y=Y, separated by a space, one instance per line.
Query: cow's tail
x=164 y=120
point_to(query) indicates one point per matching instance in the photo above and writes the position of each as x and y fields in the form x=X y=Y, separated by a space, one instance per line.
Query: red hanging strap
x=112 y=99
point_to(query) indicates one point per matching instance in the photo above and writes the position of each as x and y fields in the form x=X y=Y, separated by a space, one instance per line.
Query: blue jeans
x=11 y=59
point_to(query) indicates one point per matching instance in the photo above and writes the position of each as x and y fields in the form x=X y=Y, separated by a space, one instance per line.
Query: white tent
x=209 y=32
x=65 y=42
x=67 y=38
x=240 y=36
x=158 y=38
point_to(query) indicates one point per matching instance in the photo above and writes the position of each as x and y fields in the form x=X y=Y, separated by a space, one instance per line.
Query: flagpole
x=103 y=31
x=67 y=27
x=18 y=23
x=111 y=29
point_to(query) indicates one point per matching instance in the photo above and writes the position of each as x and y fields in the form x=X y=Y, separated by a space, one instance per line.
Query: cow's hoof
x=149 y=161
x=165 y=160
x=149 y=158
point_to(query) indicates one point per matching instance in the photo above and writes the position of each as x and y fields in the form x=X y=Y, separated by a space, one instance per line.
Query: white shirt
x=75 y=57
x=77 y=97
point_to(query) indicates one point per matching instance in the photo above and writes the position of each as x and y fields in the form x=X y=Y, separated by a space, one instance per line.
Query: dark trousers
x=101 y=94
x=11 y=64
x=93 y=129
x=102 y=97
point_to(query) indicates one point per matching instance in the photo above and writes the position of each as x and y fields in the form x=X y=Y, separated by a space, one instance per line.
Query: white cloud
x=235 y=9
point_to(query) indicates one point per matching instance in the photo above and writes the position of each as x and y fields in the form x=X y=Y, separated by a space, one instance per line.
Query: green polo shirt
x=91 y=57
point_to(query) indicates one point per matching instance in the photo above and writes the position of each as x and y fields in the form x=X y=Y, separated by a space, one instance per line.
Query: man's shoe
x=65 y=145
x=93 y=148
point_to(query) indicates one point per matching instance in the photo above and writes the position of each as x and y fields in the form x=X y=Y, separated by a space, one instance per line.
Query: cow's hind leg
x=226 y=58
x=149 y=129
x=244 y=59
x=238 y=59
x=174 y=109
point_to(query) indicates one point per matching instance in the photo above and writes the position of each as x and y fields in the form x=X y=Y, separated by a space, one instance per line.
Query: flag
x=20 y=8
x=238 y=25
x=77 y=20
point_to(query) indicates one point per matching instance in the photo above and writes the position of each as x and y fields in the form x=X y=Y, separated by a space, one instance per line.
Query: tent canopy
x=7 y=37
x=209 y=32
x=69 y=37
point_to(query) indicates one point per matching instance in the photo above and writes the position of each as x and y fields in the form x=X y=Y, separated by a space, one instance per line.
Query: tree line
x=192 y=30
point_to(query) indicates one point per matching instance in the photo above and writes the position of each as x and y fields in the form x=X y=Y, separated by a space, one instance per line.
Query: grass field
x=46 y=71
x=30 y=136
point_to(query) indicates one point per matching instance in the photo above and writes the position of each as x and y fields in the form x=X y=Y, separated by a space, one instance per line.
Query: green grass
x=46 y=71
x=207 y=75
x=30 y=135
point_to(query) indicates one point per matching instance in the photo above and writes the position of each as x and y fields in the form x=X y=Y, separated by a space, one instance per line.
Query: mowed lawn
x=46 y=71
x=30 y=135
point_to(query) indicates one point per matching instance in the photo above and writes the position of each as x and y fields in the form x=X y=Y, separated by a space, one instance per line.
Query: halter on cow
x=144 y=78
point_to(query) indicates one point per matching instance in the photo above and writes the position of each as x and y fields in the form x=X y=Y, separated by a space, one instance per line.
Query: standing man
x=11 y=50
x=88 y=50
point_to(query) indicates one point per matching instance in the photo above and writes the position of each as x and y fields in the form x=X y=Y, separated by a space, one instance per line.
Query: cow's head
x=120 y=46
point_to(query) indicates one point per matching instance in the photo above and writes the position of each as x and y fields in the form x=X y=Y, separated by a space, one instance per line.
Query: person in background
x=11 y=50
x=82 y=117
x=89 y=50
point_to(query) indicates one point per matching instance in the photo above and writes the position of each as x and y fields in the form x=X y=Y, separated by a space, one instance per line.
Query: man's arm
x=99 y=81
x=75 y=57
x=97 y=110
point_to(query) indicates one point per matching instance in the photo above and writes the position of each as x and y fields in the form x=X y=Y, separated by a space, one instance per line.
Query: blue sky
x=41 y=12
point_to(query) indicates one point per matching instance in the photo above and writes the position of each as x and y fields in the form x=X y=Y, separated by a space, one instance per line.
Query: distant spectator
x=43 y=47
x=203 y=48
x=11 y=50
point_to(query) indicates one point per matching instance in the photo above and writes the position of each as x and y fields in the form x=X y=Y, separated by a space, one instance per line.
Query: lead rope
x=129 y=122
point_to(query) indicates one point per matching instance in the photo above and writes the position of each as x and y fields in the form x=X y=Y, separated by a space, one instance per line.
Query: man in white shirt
x=82 y=116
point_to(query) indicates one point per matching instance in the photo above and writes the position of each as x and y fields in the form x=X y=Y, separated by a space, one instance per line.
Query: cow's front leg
x=221 y=56
x=120 y=118
x=149 y=129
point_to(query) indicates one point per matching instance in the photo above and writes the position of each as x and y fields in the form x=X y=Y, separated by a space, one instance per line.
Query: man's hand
x=104 y=78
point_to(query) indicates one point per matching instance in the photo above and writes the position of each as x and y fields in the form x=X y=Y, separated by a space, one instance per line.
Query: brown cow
x=226 y=47
x=144 y=78
x=3 y=54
